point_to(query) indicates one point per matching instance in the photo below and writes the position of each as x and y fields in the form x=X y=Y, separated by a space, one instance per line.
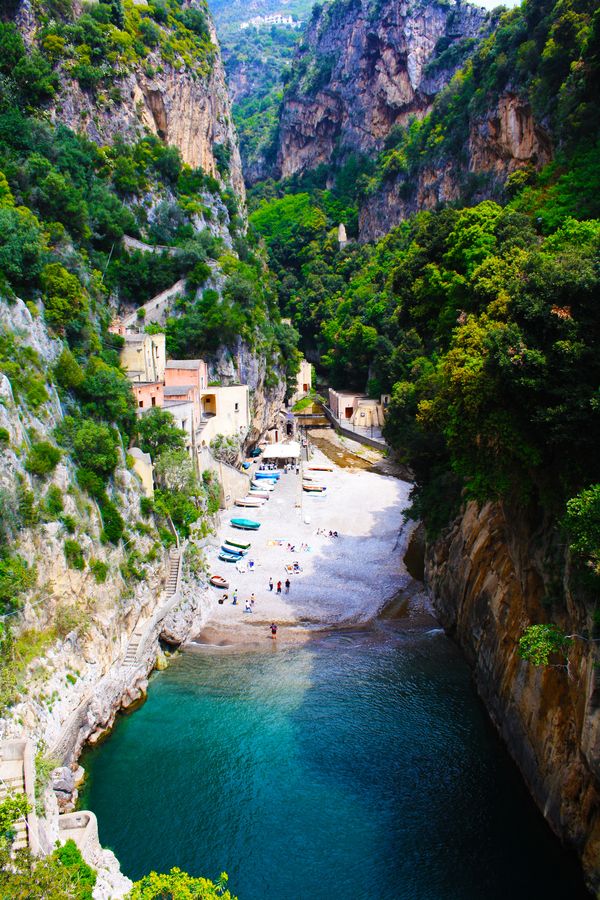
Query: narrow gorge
x=299 y=500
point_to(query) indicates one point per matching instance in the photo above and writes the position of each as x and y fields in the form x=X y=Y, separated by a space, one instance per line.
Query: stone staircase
x=172 y=580
x=131 y=653
x=12 y=781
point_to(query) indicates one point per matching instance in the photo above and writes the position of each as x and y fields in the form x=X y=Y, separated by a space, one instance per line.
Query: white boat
x=264 y=494
x=250 y=501
x=263 y=486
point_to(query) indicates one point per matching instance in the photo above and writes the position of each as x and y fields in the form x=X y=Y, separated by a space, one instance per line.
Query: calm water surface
x=359 y=766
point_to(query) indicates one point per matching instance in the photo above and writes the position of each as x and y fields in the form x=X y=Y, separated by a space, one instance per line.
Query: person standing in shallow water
x=273 y=630
x=287 y=585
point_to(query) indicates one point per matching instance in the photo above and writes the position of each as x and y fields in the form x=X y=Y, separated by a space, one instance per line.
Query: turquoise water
x=359 y=766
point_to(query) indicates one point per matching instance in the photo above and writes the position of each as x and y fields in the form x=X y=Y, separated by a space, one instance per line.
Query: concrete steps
x=130 y=658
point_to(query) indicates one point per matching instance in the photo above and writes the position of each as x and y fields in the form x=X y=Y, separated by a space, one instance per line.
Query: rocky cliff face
x=504 y=139
x=365 y=67
x=189 y=112
x=489 y=577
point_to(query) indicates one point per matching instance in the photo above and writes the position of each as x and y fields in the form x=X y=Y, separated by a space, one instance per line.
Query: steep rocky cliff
x=365 y=67
x=185 y=105
x=498 y=142
x=490 y=579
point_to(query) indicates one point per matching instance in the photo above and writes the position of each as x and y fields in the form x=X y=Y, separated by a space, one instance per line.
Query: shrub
x=64 y=298
x=42 y=459
x=146 y=506
x=99 y=570
x=112 y=521
x=74 y=555
x=69 y=524
x=95 y=447
x=28 y=511
x=4 y=438
x=53 y=502
x=16 y=577
x=68 y=618
x=90 y=482
x=67 y=371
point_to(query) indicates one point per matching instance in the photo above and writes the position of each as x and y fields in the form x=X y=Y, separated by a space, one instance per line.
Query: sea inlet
x=359 y=764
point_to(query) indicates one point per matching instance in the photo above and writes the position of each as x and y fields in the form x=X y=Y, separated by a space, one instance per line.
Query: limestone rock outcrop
x=186 y=111
x=364 y=68
x=490 y=579
x=500 y=141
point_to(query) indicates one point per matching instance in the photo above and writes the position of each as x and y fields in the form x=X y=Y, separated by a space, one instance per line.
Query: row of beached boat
x=261 y=487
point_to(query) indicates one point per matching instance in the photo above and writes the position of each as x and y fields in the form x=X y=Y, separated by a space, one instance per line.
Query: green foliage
x=74 y=555
x=64 y=298
x=99 y=570
x=94 y=446
x=106 y=392
x=178 y=885
x=42 y=458
x=158 y=432
x=16 y=578
x=53 y=502
x=582 y=523
x=68 y=373
x=63 y=875
x=112 y=522
x=14 y=807
x=540 y=643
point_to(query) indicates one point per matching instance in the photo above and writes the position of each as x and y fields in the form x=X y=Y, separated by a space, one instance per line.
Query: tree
x=583 y=525
x=64 y=297
x=175 y=472
x=178 y=885
x=539 y=643
x=109 y=395
x=157 y=433
x=95 y=447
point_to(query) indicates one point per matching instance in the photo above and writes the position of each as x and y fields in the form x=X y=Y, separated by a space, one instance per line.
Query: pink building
x=186 y=371
x=148 y=394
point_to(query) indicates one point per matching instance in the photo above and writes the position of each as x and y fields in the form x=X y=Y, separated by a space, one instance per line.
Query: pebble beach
x=343 y=580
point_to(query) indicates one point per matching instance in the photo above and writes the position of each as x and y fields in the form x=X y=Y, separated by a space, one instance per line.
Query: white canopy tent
x=282 y=452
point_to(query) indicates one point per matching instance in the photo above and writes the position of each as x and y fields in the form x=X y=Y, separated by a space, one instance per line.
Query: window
x=154 y=401
x=141 y=404
x=237 y=407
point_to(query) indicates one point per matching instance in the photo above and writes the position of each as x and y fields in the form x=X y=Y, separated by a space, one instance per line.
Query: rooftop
x=179 y=389
x=184 y=363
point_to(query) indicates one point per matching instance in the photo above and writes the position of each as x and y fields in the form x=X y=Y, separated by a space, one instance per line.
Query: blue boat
x=245 y=524
x=268 y=476
x=234 y=551
x=229 y=557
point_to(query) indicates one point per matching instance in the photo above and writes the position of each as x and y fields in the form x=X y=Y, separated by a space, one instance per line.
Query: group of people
x=287 y=585
x=304 y=548
x=326 y=533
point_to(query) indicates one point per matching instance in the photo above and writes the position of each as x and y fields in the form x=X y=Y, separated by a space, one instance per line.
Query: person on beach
x=273 y=630
x=252 y=600
x=270 y=584
x=235 y=596
x=287 y=585
x=278 y=587
x=248 y=607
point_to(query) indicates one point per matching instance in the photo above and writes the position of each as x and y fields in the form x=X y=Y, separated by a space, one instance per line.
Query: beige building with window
x=225 y=410
x=144 y=358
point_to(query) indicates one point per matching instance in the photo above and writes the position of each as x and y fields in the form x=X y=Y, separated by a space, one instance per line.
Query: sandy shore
x=343 y=580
